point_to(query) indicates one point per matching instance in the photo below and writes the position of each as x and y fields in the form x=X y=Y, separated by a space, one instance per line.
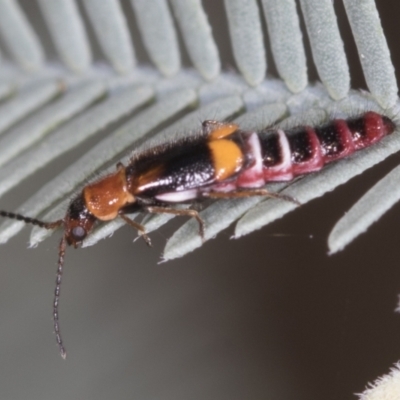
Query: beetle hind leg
x=184 y=212
x=249 y=193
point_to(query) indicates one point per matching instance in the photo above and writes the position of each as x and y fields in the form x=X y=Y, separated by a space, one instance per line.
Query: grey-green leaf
x=112 y=32
x=155 y=22
x=68 y=32
x=247 y=39
x=327 y=46
x=373 y=50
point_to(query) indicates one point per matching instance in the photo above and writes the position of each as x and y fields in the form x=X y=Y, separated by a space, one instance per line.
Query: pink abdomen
x=306 y=149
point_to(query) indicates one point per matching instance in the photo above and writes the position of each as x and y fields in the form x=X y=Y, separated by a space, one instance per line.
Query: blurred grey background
x=269 y=316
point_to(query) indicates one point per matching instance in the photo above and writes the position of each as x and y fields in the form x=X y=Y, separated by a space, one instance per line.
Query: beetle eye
x=78 y=233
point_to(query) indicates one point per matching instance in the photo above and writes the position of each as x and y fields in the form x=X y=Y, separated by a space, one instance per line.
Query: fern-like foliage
x=51 y=106
x=59 y=108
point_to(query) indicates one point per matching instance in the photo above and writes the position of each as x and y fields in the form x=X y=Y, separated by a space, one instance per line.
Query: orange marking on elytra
x=227 y=158
x=222 y=131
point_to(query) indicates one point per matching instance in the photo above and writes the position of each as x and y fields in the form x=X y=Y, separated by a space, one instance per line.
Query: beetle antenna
x=61 y=254
x=57 y=331
x=33 y=221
